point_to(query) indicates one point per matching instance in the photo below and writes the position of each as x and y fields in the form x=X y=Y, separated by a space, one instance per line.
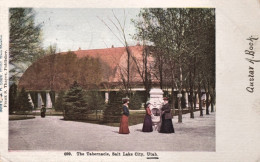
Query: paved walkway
x=53 y=133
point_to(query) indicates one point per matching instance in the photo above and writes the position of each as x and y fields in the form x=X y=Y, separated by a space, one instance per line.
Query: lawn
x=135 y=117
x=20 y=117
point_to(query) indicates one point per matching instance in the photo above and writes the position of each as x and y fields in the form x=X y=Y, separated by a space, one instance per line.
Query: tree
x=166 y=28
x=143 y=65
x=113 y=110
x=207 y=60
x=23 y=102
x=120 y=34
x=135 y=102
x=75 y=103
x=60 y=101
x=24 y=41
x=200 y=36
x=12 y=98
x=180 y=38
x=95 y=101
x=51 y=49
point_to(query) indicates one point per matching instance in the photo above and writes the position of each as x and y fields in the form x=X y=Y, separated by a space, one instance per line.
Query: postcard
x=132 y=81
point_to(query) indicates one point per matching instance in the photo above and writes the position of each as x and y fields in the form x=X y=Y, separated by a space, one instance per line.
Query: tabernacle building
x=51 y=74
x=104 y=70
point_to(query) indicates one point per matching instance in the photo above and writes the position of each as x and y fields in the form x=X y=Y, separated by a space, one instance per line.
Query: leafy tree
x=23 y=102
x=166 y=29
x=12 y=98
x=24 y=40
x=181 y=38
x=75 y=103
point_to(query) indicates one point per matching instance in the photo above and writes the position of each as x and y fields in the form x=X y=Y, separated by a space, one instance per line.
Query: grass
x=136 y=117
x=21 y=117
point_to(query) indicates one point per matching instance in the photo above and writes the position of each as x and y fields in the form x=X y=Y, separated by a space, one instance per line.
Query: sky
x=71 y=29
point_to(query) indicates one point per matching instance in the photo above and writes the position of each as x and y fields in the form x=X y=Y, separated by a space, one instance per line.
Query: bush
x=23 y=101
x=114 y=110
x=60 y=101
x=95 y=101
x=135 y=102
x=12 y=98
x=75 y=103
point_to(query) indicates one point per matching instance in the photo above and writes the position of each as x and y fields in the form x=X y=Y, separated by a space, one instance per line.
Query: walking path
x=53 y=133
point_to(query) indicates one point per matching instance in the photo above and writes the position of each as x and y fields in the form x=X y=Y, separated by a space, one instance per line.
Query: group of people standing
x=166 y=118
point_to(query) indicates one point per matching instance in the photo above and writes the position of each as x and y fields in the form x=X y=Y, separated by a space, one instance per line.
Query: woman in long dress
x=43 y=111
x=123 y=129
x=167 y=126
x=148 y=125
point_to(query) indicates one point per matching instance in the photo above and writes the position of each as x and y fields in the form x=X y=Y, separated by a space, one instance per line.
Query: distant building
x=47 y=76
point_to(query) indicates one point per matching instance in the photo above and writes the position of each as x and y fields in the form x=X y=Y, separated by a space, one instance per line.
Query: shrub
x=12 y=98
x=95 y=101
x=23 y=101
x=60 y=101
x=113 y=110
x=135 y=102
x=75 y=103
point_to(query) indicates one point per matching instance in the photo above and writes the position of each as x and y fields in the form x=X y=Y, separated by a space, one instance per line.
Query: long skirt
x=42 y=114
x=123 y=129
x=167 y=126
x=148 y=125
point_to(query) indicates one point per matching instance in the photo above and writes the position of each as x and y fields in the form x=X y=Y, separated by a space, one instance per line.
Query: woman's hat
x=147 y=103
x=124 y=100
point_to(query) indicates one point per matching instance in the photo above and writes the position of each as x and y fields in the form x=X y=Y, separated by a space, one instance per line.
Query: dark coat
x=125 y=110
x=43 y=110
x=167 y=111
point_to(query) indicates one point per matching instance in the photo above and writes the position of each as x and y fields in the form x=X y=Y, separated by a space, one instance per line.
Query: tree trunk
x=191 y=104
x=179 y=97
x=207 y=103
x=173 y=102
x=128 y=88
x=179 y=109
x=161 y=74
x=212 y=103
x=200 y=103
x=191 y=97
x=195 y=100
